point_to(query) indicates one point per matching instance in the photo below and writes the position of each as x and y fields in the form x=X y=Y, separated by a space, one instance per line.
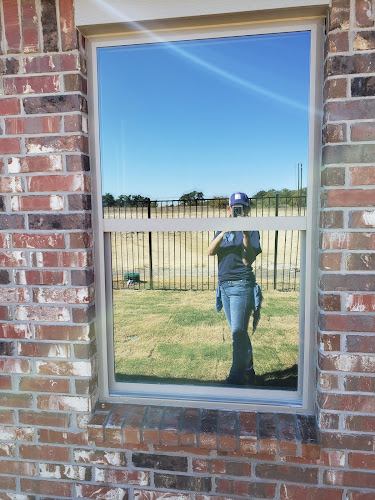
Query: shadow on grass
x=282 y=379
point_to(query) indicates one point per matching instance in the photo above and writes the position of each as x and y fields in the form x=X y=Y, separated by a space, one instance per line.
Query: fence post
x=150 y=244
x=276 y=244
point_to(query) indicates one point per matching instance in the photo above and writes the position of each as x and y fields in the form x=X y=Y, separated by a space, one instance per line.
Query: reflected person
x=237 y=291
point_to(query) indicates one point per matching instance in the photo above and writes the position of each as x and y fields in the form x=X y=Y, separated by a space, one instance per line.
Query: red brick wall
x=51 y=445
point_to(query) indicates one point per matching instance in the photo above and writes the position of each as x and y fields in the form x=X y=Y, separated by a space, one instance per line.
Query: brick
x=51 y=63
x=330 y=261
x=31 y=125
x=333 y=176
x=57 y=221
x=41 y=487
x=86 y=387
x=44 y=418
x=328 y=381
x=284 y=472
x=7 y=483
x=10 y=185
x=62 y=437
x=359 y=384
x=82 y=278
x=363 y=86
x=83 y=314
x=69 y=39
x=62 y=332
x=132 y=434
x=30 y=34
x=47 y=241
x=36 y=349
x=329 y=420
x=10 y=106
x=360 y=423
x=35 y=164
x=360 y=302
x=349 y=64
x=350 y=110
x=348 y=478
x=5 y=385
x=52 y=183
x=338 y=42
x=339 y=15
x=14 y=365
x=330 y=302
x=347 y=402
x=361 y=153
x=364 y=131
x=75 y=82
x=361 y=241
x=31 y=85
x=361 y=176
x=10 y=294
x=10 y=146
x=160 y=462
x=348 y=322
x=77 y=163
x=7 y=416
x=349 y=197
x=357 y=495
x=37 y=203
x=12 y=26
x=160 y=495
x=101 y=492
x=65 y=296
x=9 y=66
x=360 y=262
x=360 y=343
x=4 y=240
x=49 y=26
x=294 y=492
x=334 y=132
x=64 y=368
x=15 y=400
x=364 y=40
x=64 y=403
x=364 y=13
x=55 y=104
x=140 y=478
x=4 y=277
x=42 y=313
x=12 y=259
x=100 y=457
x=6 y=348
x=150 y=432
x=335 y=88
x=361 y=218
x=72 y=472
x=79 y=202
x=182 y=482
x=330 y=342
x=332 y=219
x=52 y=278
x=54 y=144
x=347 y=362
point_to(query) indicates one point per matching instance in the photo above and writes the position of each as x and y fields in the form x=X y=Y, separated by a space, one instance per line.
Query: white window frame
x=215 y=397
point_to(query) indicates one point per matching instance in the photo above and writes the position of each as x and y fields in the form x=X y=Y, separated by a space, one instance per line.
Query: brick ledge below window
x=138 y=426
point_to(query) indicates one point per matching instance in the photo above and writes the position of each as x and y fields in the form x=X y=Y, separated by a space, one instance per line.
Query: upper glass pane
x=204 y=118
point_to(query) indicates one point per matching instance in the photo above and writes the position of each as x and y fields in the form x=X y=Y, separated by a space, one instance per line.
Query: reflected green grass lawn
x=178 y=337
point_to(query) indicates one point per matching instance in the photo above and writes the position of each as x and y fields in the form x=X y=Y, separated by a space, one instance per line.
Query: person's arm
x=248 y=255
x=213 y=247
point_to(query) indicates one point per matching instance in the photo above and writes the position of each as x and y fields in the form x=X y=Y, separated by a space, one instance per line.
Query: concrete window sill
x=174 y=429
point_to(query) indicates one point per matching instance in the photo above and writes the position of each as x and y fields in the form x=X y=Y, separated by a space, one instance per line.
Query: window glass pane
x=204 y=118
x=166 y=326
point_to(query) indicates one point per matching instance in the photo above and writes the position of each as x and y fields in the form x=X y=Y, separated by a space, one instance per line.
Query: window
x=183 y=119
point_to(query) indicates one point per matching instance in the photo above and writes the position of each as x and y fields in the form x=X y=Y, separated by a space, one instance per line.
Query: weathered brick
x=338 y=41
x=284 y=472
x=83 y=314
x=54 y=144
x=44 y=418
x=12 y=26
x=331 y=219
x=12 y=259
x=31 y=125
x=51 y=63
x=364 y=40
x=100 y=457
x=79 y=202
x=364 y=131
x=42 y=313
x=350 y=64
x=52 y=278
x=348 y=322
x=334 y=132
x=359 y=384
x=333 y=176
x=49 y=26
x=350 y=110
x=360 y=343
x=9 y=66
x=359 y=302
x=75 y=82
x=15 y=400
x=330 y=302
x=101 y=492
x=361 y=218
x=339 y=15
x=30 y=32
x=64 y=403
x=360 y=262
x=330 y=342
x=4 y=277
x=37 y=203
x=24 y=240
x=293 y=492
x=33 y=164
x=360 y=423
x=14 y=331
x=63 y=437
x=81 y=240
x=63 y=296
x=363 y=86
x=31 y=85
x=364 y=13
x=348 y=197
x=10 y=106
x=83 y=277
x=349 y=478
x=55 y=104
x=37 y=349
x=348 y=282
x=7 y=348
x=335 y=88
x=182 y=482
x=328 y=382
x=75 y=123
x=11 y=294
x=340 y=153
x=40 y=487
x=61 y=259
x=59 y=221
x=62 y=332
x=330 y=261
x=362 y=176
x=58 y=182
x=69 y=39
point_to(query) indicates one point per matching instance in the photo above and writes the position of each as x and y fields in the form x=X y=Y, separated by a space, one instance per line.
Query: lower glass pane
x=167 y=329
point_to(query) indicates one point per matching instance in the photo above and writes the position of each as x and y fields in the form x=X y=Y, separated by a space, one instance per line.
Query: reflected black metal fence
x=179 y=261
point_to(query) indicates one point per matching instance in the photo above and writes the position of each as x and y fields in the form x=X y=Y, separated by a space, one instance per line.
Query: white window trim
x=222 y=397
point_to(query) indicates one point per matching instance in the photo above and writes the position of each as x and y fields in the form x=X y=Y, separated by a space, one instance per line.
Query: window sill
x=242 y=433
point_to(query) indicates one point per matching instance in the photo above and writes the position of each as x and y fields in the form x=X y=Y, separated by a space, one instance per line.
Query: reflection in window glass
x=172 y=333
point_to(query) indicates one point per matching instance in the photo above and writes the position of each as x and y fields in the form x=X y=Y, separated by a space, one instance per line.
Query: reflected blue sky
x=215 y=115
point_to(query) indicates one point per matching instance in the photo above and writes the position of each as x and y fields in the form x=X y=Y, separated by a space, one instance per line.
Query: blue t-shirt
x=230 y=255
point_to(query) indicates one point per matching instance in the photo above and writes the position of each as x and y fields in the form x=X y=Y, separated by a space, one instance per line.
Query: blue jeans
x=238 y=302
